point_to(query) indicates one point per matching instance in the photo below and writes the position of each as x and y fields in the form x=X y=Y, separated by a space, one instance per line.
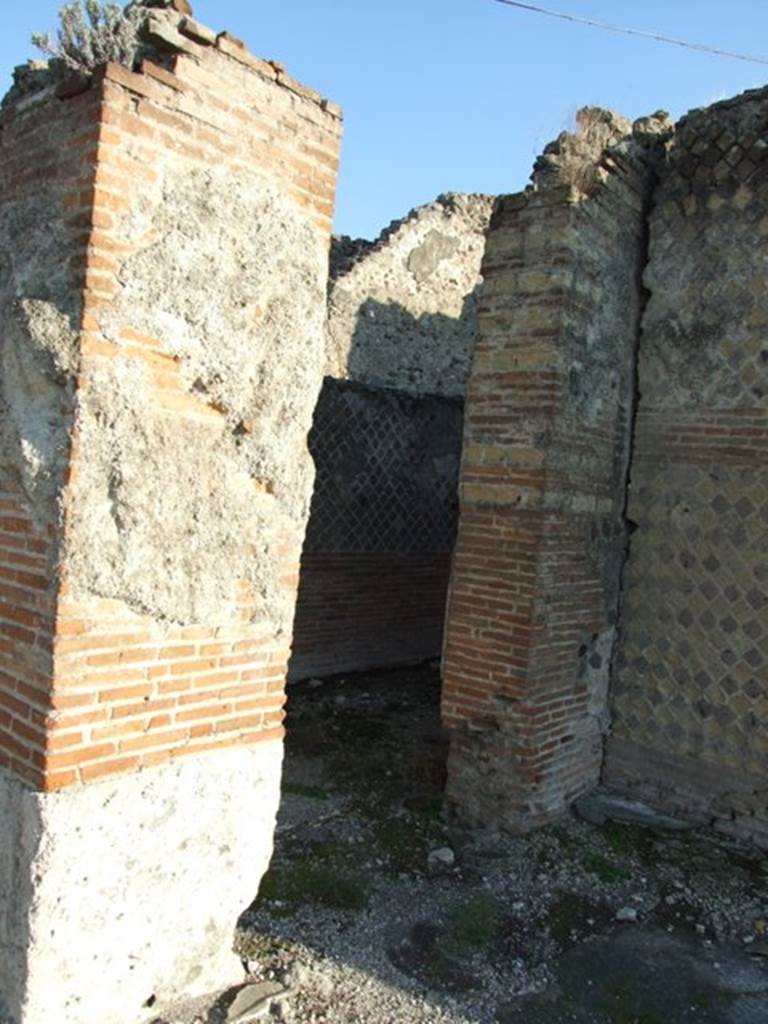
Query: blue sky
x=460 y=95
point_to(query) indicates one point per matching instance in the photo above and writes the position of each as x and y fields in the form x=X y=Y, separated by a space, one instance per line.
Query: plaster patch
x=169 y=514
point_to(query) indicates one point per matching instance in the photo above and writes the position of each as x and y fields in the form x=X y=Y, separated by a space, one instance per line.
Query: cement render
x=126 y=892
x=230 y=276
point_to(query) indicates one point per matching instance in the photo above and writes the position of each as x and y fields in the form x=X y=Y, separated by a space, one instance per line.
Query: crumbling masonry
x=617 y=403
x=166 y=338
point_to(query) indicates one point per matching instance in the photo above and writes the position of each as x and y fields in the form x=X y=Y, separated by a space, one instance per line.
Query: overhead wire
x=656 y=36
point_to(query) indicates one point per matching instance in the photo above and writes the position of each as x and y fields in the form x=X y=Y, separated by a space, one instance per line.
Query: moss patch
x=604 y=869
x=299 y=789
x=474 y=923
x=324 y=874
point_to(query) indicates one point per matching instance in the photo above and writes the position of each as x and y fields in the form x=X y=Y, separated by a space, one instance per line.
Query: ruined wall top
x=577 y=159
x=158 y=31
x=402 y=308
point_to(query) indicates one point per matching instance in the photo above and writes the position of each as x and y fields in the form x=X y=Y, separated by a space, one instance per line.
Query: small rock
x=315 y=683
x=253 y=1002
x=626 y=914
x=590 y=810
x=440 y=859
x=164 y=36
x=200 y=33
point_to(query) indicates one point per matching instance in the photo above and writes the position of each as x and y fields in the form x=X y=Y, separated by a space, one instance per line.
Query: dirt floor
x=379 y=908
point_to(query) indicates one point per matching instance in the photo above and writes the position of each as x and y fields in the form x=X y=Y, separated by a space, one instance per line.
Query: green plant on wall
x=91 y=33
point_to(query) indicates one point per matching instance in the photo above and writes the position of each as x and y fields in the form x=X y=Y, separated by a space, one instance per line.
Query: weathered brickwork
x=532 y=610
x=690 y=699
x=363 y=611
x=386 y=468
x=374 y=569
x=165 y=329
x=27 y=610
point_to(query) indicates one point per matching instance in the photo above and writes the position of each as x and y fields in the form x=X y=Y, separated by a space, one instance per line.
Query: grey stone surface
x=197 y=31
x=162 y=32
x=230 y=276
x=598 y=807
x=13 y=923
x=139 y=880
x=402 y=309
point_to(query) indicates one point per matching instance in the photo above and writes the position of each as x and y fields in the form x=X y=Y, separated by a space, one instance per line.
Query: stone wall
x=690 y=698
x=402 y=309
x=533 y=603
x=164 y=237
x=156 y=490
x=374 y=570
x=402 y=320
x=564 y=662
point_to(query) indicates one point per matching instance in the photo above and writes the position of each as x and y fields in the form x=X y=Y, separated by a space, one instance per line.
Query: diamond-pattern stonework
x=690 y=695
x=387 y=471
x=694 y=662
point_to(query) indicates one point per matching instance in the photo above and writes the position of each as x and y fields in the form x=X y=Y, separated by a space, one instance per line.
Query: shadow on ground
x=647 y=976
x=378 y=907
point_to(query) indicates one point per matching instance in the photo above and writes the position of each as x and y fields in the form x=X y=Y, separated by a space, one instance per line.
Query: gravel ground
x=362 y=921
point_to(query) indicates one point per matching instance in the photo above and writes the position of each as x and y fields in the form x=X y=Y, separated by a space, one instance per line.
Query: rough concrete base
x=118 y=897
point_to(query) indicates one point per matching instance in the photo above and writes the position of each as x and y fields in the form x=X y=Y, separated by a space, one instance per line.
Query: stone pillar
x=163 y=259
x=533 y=600
x=690 y=699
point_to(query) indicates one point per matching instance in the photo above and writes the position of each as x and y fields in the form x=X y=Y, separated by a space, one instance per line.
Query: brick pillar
x=533 y=600
x=163 y=258
x=690 y=700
